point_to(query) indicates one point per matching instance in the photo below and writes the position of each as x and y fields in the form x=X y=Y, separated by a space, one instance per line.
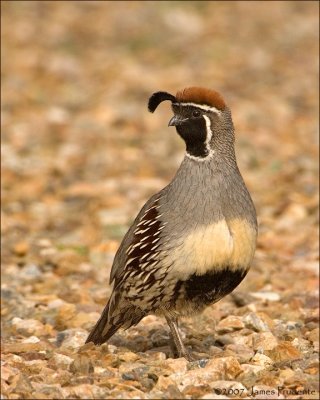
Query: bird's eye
x=196 y=113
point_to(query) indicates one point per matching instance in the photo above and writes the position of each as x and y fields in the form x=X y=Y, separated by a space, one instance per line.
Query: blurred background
x=81 y=153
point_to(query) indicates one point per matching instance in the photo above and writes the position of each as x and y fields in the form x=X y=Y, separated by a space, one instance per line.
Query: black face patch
x=194 y=133
x=212 y=286
x=193 y=129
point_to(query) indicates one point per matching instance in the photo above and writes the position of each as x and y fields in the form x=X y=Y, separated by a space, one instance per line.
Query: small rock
x=72 y=338
x=44 y=242
x=284 y=351
x=99 y=370
x=292 y=325
x=49 y=255
x=302 y=345
x=270 y=296
x=262 y=360
x=18 y=348
x=66 y=313
x=81 y=364
x=67 y=262
x=313 y=335
x=249 y=369
x=178 y=365
x=199 y=376
x=7 y=372
x=195 y=391
x=62 y=361
x=227 y=367
x=21 y=248
x=56 y=303
x=156 y=355
x=128 y=356
x=30 y=272
x=243 y=353
x=28 y=327
x=22 y=384
x=286 y=374
x=112 y=349
x=134 y=373
x=57 y=115
x=230 y=324
x=164 y=382
x=44 y=391
x=214 y=351
x=31 y=339
x=259 y=322
x=264 y=341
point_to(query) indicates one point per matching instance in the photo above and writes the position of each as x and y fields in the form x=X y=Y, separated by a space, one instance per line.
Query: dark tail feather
x=96 y=334
x=113 y=319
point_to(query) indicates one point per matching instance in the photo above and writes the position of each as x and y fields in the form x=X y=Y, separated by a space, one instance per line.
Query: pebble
x=56 y=303
x=257 y=322
x=28 y=327
x=302 y=345
x=286 y=374
x=229 y=324
x=222 y=368
x=242 y=352
x=62 y=361
x=269 y=296
x=26 y=347
x=264 y=341
x=30 y=272
x=178 y=365
x=313 y=335
x=72 y=338
x=172 y=392
x=81 y=364
x=128 y=356
x=284 y=351
x=21 y=248
x=31 y=339
x=164 y=382
x=229 y=366
x=262 y=360
x=249 y=369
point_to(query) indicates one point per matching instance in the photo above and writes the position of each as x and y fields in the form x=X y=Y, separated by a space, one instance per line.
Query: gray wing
x=139 y=241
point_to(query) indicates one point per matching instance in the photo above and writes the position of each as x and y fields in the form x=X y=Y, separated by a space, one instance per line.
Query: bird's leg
x=178 y=343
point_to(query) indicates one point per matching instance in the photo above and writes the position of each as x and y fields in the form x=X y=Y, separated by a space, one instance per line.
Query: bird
x=193 y=242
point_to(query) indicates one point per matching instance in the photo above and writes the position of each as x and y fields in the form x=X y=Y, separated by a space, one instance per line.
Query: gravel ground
x=80 y=156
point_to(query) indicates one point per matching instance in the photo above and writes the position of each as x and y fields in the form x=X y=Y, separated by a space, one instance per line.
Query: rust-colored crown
x=200 y=95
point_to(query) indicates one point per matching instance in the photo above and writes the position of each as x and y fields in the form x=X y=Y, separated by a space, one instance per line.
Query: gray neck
x=207 y=191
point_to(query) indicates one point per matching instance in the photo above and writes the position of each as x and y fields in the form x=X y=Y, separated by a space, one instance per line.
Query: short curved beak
x=175 y=121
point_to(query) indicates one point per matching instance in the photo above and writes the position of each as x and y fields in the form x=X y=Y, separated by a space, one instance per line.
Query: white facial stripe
x=201 y=106
x=209 y=132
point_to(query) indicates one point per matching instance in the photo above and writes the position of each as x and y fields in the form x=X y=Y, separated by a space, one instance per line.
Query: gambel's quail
x=192 y=243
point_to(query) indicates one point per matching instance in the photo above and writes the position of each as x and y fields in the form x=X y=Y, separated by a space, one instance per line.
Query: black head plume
x=158 y=98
